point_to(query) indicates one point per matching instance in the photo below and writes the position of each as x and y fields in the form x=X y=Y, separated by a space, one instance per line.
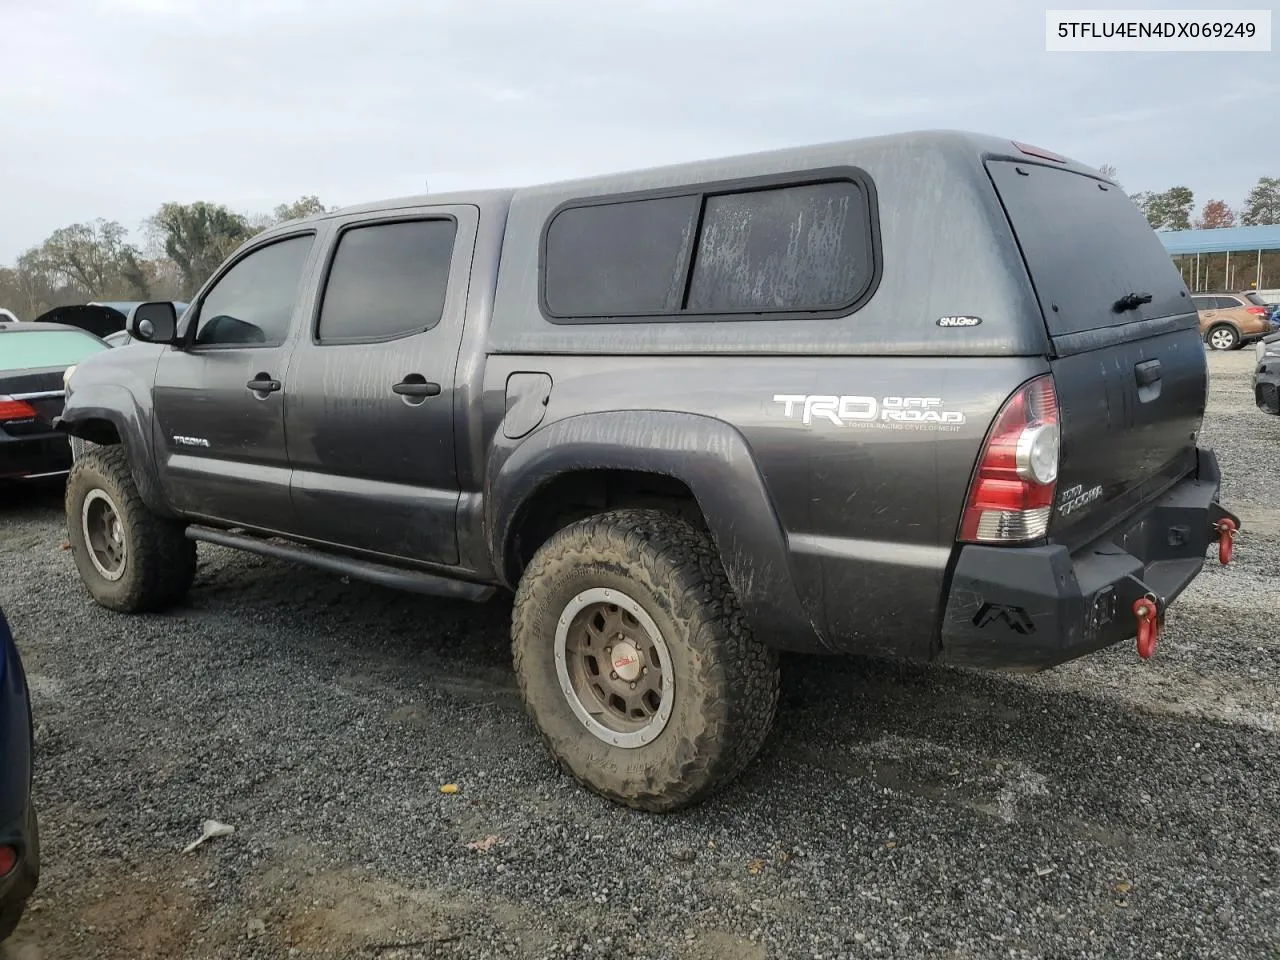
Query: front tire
x=685 y=697
x=129 y=559
x=1223 y=337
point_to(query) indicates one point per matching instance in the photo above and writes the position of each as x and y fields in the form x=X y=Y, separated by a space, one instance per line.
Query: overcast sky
x=110 y=107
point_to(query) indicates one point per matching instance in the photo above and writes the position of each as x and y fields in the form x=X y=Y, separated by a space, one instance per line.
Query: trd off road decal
x=896 y=413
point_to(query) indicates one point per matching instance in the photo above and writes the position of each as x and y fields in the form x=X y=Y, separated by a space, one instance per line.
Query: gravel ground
x=1110 y=808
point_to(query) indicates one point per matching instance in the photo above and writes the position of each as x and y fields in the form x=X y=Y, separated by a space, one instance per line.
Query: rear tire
x=129 y=559
x=682 y=713
x=1223 y=337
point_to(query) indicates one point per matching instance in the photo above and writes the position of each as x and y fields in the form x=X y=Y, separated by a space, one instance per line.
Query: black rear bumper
x=36 y=456
x=1036 y=607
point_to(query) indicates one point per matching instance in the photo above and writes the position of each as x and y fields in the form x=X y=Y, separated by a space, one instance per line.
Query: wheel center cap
x=625 y=660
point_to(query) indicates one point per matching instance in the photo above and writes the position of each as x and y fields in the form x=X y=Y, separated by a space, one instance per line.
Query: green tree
x=197 y=237
x=1170 y=210
x=1262 y=205
x=302 y=207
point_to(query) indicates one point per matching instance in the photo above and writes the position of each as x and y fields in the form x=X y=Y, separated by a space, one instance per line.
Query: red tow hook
x=1147 y=610
x=1226 y=528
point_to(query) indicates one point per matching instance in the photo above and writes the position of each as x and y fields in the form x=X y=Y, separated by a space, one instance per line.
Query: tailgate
x=1127 y=358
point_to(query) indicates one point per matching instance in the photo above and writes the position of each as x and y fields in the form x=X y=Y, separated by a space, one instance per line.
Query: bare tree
x=97 y=257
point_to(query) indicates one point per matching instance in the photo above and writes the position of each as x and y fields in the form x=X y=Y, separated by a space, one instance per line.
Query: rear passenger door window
x=1228 y=303
x=749 y=250
x=387 y=281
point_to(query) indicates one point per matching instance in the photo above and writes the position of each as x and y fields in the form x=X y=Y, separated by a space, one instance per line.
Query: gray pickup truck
x=931 y=396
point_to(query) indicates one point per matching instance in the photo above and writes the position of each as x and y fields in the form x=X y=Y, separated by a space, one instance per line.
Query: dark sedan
x=33 y=359
x=19 y=836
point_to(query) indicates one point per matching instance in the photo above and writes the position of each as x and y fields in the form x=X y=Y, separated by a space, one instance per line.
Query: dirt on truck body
x=691 y=416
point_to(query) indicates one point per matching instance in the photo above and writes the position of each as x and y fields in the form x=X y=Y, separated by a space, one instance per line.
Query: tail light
x=8 y=860
x=1257 y=311
x=1011 y=495
x=11 y=409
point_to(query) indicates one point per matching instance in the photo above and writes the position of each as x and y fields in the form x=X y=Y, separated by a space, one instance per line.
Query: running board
x=414 y=581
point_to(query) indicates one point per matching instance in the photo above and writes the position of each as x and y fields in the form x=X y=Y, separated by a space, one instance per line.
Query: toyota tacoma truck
x=932 y=396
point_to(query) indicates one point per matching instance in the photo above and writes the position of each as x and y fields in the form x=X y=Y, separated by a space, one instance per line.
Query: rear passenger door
x=370 y=419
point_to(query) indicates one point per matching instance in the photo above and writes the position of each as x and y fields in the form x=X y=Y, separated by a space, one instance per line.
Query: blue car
x=19 y=839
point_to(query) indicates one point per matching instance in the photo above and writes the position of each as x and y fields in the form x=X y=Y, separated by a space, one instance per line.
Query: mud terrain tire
x=722 y=683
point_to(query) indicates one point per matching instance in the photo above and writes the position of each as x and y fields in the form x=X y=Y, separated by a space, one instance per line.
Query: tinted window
x=1086 y=246
x=253 y=301
x=619 y=258
x=1203 y=303
x=785 y=249
x=387 y=281
x=1256 y=300
x=1227 y=303
x=797 y=248
x=33 y=349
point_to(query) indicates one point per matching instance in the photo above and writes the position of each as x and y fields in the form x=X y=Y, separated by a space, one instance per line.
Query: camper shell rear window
x=1086 y=246
x=803 y=245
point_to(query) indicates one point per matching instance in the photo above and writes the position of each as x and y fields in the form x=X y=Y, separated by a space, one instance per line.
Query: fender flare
x=710 y=457
x=117 y=406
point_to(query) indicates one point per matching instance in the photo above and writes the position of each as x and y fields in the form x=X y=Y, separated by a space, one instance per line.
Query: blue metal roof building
x=1227 y=258
x=1221 y=240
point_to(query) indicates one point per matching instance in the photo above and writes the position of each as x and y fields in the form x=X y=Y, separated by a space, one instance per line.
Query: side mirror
x=155 y=322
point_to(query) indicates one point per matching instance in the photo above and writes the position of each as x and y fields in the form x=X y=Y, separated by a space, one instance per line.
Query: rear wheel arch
x=576 y=494
x=692 y=466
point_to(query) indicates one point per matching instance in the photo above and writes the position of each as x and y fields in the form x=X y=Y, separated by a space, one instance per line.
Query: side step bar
x=414 y=581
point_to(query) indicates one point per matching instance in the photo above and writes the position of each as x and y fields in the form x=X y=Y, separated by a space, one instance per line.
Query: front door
x=219 y=396
x=370 y=418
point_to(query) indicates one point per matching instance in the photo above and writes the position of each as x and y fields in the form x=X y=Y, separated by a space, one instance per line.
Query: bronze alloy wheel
x=103 y=535
x=614 y=667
